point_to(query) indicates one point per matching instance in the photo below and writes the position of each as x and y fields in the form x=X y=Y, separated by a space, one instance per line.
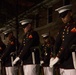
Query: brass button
x=59 y=51
x=63 y=32
x=63 y=39
x=63 y=36
x=24 y=44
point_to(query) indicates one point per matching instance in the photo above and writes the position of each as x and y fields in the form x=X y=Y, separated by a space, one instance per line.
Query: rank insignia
x=12 y=43
x=30 y=36
x=73 y=29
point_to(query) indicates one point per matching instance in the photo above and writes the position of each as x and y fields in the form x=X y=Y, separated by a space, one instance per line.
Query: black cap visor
x=45 y=37
x=62 y=15
x=25 y=25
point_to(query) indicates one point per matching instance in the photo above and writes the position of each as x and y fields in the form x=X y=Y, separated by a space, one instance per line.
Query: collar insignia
x=30 y=36
x=73 y=29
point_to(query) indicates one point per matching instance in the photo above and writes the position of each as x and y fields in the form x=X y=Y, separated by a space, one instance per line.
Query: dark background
x=12 y=8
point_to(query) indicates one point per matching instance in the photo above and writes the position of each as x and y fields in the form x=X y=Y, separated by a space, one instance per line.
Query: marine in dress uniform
x=9 y=53
x=66 y=38
x=47 y=53
x=29 y=52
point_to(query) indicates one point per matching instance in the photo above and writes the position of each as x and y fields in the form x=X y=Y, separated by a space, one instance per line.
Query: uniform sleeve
x=42 y=53
x=65 y=50
x=25 y=49
x=58 y=43
x=2 y=48
x=8 y=50
x=32 y=41
x=73 y=44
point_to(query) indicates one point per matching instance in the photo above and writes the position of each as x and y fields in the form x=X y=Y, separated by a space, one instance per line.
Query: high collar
x=71 y=22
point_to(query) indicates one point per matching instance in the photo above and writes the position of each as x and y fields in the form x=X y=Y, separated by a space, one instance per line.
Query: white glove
x=53 y=61
x=15 y=61
x=41 y=62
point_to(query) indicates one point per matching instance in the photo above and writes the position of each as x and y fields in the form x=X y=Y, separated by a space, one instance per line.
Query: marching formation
x=38 y=58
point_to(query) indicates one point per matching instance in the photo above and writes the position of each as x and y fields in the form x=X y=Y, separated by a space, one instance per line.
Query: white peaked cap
x=63 y=8
x=45 y=35
x=23 y=22
x=7 y=31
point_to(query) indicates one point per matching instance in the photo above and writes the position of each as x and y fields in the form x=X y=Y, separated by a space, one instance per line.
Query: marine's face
x=27 y=28
x=10 y=35
x=67 y=18
x=46 y=40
